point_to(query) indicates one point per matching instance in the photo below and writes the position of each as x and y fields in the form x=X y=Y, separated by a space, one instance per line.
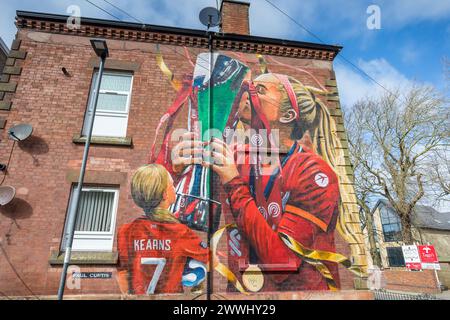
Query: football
x=194 y=273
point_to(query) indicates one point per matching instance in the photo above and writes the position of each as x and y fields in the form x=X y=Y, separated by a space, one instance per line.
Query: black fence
x=389 y=295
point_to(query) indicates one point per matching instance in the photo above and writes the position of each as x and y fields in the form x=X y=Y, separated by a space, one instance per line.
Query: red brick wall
x=410 y=281
x=54 y=105
x=235 y=17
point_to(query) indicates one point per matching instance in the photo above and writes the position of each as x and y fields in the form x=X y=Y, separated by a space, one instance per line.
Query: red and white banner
x=428 y=257
x=412 y=257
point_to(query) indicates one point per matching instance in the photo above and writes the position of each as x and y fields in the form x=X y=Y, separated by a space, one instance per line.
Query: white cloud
x=7 y=14
x=266 y=22
x=410 y=53
x=180 y=13
x=353 y=85
x=342 y=19
x=346 y=19
x=407 y=11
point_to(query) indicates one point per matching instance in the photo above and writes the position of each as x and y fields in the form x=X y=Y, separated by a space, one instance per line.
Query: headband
x=290 y=91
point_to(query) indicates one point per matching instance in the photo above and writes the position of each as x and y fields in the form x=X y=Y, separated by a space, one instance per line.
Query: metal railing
x=382 y=294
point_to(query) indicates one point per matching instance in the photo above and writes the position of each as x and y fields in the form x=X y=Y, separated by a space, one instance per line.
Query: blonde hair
x=148 y=185
x=315 y=119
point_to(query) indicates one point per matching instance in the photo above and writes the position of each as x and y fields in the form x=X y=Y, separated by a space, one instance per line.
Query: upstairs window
x=111 y=116
x=392 y=227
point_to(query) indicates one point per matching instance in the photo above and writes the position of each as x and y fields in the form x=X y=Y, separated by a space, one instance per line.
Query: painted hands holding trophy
x=214 y=154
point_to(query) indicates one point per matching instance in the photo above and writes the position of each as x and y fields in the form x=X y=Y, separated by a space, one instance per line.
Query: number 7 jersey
x=155 y=253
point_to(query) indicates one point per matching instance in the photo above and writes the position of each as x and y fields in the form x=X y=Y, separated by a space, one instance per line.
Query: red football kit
x=310 y=193
x=155 y=253
x=310 y=198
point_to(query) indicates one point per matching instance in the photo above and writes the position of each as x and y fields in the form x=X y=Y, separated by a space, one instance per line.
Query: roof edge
x=180 y=31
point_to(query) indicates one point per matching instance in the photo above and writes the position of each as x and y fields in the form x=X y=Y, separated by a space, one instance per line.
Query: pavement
x=444 y=295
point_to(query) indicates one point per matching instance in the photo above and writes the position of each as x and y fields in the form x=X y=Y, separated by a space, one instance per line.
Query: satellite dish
x=20 y=132
x=210 y=17
x=7 y=193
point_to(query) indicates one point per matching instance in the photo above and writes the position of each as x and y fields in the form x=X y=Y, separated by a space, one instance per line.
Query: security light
x=100 y=47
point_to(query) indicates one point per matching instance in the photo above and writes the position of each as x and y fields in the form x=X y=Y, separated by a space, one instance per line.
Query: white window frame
x=109 y=113
x=96 y=241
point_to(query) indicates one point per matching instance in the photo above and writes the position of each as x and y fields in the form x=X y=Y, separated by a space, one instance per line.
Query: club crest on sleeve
x=321 y=179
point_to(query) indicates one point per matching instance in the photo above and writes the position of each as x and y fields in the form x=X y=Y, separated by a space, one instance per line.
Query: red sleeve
x=311 y=208
x=194 y=247
x=122 y=247
x=269 y=247
x=123 y=276
x=313 y=190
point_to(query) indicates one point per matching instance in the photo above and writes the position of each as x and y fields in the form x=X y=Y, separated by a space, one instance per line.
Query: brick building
x=3 y=53
x=429 y=227
x=50 y=72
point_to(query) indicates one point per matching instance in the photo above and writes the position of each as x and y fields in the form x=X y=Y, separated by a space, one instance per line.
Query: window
x=111 y=116
x=392 y=227
x=395 y=257
x=96 y=218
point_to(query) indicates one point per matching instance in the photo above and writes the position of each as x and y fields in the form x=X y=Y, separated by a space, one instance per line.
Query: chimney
x=235 y=17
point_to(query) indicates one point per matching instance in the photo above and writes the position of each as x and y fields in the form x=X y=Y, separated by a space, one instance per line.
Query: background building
x=4 y=51
x=52 y=69
x=429 y=227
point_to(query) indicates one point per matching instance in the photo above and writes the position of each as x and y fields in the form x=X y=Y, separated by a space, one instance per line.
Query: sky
x=409 y=46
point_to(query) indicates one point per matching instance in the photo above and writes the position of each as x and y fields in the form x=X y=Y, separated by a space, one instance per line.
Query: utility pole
x=210 y=207
x=101 y=49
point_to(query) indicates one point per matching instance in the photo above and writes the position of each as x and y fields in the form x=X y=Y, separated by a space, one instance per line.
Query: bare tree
x=439 y=174
x=390 y=138
x=442 y=156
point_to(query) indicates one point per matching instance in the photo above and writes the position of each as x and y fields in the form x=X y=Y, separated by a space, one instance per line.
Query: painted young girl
x=154 y=248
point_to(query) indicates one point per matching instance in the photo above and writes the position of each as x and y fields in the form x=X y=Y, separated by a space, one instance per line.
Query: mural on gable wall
x=256 y=167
